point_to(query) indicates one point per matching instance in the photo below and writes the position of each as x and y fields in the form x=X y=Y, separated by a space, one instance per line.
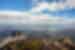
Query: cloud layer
x=36 y=19
x=19 y=20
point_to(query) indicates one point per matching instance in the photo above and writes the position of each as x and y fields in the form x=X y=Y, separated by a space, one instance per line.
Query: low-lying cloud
x=19 y=20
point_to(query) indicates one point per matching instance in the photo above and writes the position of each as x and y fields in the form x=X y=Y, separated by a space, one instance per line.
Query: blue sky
x=23 y=5
x=47 y=13
x=15 y=4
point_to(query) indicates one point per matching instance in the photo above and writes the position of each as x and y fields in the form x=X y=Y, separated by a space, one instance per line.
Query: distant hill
x=66 y=32
x=44 y=34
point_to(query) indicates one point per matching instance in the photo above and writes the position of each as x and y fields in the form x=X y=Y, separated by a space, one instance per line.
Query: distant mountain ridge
x=38 y=34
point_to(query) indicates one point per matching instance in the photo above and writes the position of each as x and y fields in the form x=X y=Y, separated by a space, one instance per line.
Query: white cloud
x=70 y=3
x=16 y=17
x=10 y=13
x=53 y=6
x=41 y=22
x=13 y=16
x=39 y=7
x=44 y=5
x=66 y=4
